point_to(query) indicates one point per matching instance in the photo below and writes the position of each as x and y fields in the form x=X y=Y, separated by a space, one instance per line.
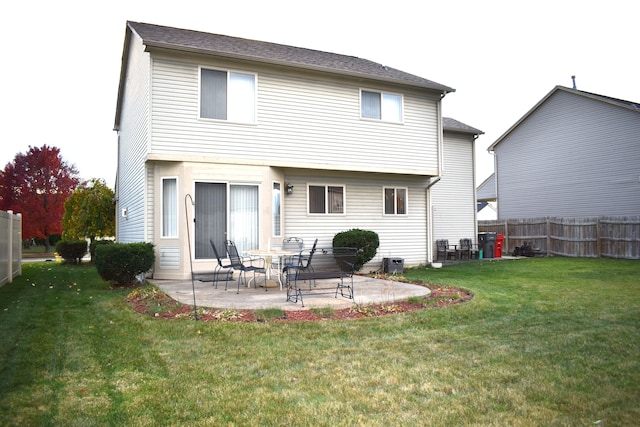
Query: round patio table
x=271 y=257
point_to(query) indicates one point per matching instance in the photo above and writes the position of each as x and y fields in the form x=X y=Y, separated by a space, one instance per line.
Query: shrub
x=365 y=241
x=72 y=251
x=121 y=263
x=94 y=244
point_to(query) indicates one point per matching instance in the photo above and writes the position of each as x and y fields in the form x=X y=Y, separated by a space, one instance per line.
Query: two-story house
x=453 y=198
x=574 y=154
x=228 y=138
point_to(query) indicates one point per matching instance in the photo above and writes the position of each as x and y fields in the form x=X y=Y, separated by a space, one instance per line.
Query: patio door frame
x=225 y=211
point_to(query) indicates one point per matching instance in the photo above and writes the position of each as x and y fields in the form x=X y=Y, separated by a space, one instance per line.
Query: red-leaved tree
x=36 y=185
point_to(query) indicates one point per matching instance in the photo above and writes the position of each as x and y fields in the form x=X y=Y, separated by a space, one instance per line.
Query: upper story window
x=395 y=201
x=381 y=106
x=227 y=95
x=326 y=199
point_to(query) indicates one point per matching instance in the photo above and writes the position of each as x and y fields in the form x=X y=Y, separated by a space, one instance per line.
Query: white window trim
x=326 y=199
x=395 y=200
x=228 y=70
x=281 y=208
x=382 y=119
x=162 y=179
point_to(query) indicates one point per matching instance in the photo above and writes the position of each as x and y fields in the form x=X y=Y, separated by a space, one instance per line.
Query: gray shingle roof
x=214 y=44
x=622 y=102
x=486 y=192
x=456 y=126
x=629 y=105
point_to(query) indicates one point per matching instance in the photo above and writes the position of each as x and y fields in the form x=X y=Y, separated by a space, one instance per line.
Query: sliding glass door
x=219 y=217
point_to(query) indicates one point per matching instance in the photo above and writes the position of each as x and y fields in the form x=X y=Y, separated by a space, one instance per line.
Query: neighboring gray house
x=270 y=141
x=486 y=198
x=574 y=154
x=453 y=201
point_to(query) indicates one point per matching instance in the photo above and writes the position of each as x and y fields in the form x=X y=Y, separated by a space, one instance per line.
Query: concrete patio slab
x=367 y=290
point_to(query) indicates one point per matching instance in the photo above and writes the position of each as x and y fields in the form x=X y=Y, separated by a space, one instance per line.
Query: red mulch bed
x=161 y=306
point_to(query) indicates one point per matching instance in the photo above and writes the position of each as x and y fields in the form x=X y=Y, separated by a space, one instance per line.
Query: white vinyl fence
x=10 y=246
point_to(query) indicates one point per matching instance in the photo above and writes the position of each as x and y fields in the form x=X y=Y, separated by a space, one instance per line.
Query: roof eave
x=168 y=46
x=492 y=147
x=471 y=131
x=123 y=74
x=595 y=97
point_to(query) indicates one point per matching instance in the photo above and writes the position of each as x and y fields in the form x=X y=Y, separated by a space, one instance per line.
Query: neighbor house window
x=169 y=207
x=276 y=202
x=226 y=95
x=326 y=199
x=381 y=106
x=395 y=201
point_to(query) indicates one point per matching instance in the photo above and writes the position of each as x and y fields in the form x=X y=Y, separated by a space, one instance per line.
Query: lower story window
x=395 y=201
x=277 y=209
x=169 y=207
x=326 y=199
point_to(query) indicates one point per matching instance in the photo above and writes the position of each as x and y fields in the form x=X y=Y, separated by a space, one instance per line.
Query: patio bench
x=317 y=277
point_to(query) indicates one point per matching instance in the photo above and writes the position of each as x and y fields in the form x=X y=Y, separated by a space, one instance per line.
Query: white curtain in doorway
x=243 y=227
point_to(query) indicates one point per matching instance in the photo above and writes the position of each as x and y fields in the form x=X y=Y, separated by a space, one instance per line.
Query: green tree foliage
x=89 y=212
x=36 y=185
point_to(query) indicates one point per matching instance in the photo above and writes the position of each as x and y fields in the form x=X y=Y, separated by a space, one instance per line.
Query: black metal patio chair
x=220 y=267
x=238 y=263
x=293 y=244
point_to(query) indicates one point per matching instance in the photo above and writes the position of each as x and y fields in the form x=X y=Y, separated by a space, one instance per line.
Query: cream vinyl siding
x=302 y=120
x=453 y=198
x=150 y=197
x=133 y=144
x=401 y=236
x=572 y=157
x=169 y=257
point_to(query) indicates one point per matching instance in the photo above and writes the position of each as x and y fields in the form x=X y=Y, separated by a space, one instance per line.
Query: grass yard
x=543 y=342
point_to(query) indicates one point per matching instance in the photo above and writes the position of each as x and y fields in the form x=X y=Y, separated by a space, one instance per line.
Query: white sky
x=61 y=59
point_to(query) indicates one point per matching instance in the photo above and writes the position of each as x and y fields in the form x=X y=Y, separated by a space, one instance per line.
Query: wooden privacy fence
x=10 y=246
x=611 y=237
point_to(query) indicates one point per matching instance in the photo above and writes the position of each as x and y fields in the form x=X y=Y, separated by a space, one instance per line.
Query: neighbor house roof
x=452 y=125
x=486 y=192
x=633 y=106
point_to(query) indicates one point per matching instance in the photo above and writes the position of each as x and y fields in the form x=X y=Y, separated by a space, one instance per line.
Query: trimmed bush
x=365 y=241
x=122 y=263
x=72 y=251
x=94 y=244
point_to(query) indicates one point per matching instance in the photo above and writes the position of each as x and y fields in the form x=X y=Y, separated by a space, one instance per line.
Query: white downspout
x=475 y=189
x=434 y=180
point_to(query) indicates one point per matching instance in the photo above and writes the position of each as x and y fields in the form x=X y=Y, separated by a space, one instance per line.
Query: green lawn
x=544 y=342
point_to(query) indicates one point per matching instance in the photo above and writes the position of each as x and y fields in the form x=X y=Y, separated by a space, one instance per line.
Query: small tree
x=89 y=212
x=365 y=241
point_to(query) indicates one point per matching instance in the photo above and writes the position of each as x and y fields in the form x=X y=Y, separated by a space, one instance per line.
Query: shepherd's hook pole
x=193 y=286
